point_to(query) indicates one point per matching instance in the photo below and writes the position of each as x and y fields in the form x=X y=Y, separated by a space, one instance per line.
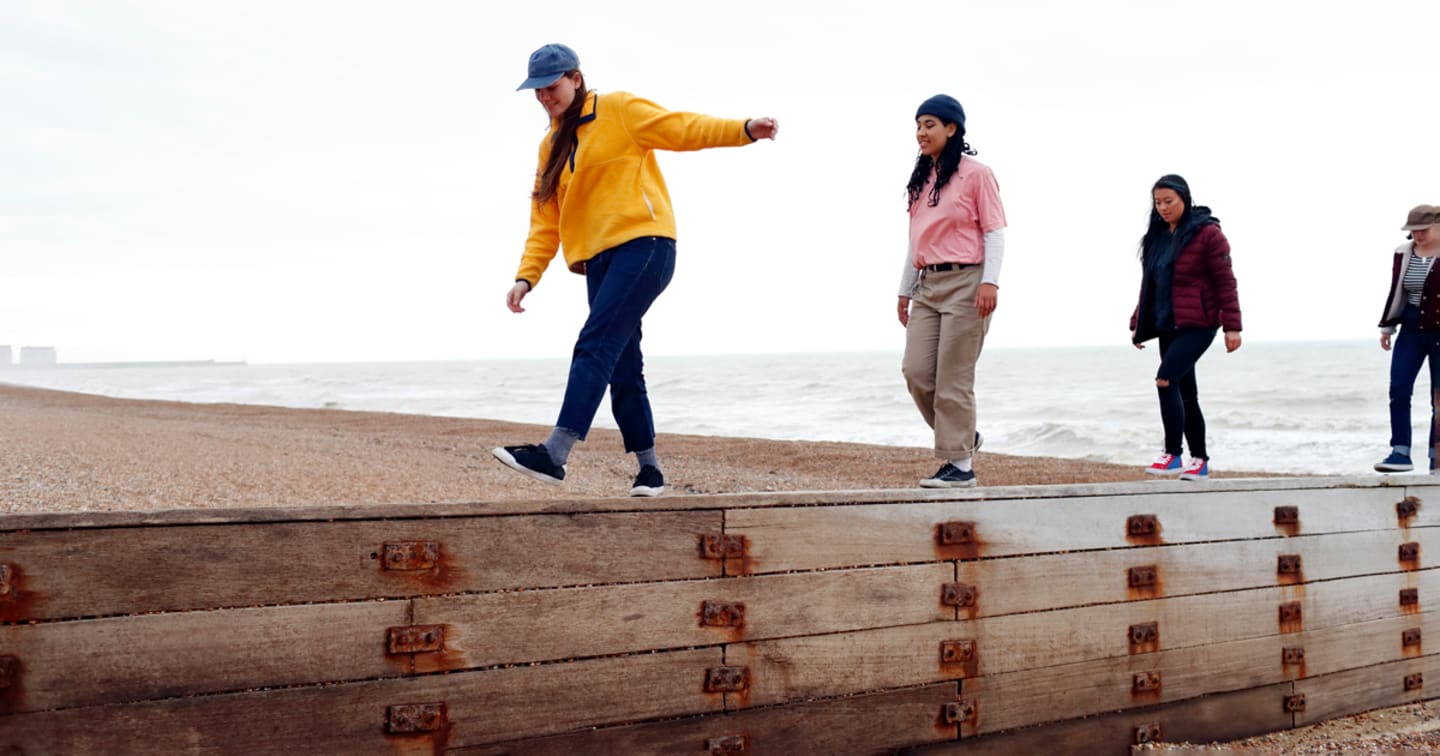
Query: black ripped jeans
x=1180 y=401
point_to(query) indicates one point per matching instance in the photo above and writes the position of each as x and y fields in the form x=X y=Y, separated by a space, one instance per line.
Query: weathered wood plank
x=136 y=658
x=868 y=724
x=829 y=665
x=62 y=574
x=481 y=707
x=807 y=538
x=1419 y=485
x=1357 y=690
x=1220 y=717
x=524 y=626
x=1031 y=696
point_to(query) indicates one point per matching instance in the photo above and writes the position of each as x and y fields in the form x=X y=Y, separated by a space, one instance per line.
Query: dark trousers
x=622 y=282
x=1408 y=352
x=1180 y=401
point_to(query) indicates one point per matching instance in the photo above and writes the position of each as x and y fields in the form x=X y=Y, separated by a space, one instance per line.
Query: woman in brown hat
x=1414 y=306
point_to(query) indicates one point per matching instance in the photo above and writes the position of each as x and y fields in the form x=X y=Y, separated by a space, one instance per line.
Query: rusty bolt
x=1287 y=515
x=1409 y=596
x=7 y=581
x=1410 y=552
x=958 y=711
x=1410 y=637
x=1295 y=703
x=1147 y=632
x=1147 y=733
x=957 y=651
x=958 y=594
x=1288 y=564
x=409 y=556
x=412 y=718
x=956 y=532
x=1145 y=682
x=9 y=671
x=1292 y=655
x=1142 y=525
x=727 y=679
x=1414 y=681
x=1408 y=507
x=1290 y=612
x=416 y=639
x=727 y=744
x=722 y=614
x=722 y=546
x=1144 y=576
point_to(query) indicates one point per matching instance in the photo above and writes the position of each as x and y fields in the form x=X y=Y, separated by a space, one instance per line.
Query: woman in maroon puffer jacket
x=1187 y=293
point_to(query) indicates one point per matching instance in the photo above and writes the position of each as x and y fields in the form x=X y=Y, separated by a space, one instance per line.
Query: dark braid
x=955 y=148
x=561 y=142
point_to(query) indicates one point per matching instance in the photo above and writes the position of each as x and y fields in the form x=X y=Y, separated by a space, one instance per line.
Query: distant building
x=6 y=358
x=37 y=356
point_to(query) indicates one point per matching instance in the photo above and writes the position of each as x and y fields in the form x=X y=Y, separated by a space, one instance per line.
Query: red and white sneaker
x=1167 y=464
x=1198 y=469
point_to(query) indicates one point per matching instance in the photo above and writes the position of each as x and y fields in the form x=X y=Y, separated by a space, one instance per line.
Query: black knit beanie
x=945 y=107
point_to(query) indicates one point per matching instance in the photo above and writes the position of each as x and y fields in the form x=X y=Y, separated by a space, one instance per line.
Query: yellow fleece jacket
x=611 y=190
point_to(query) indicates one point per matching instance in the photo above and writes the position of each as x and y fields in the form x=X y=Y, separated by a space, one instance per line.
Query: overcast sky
x=334 y=181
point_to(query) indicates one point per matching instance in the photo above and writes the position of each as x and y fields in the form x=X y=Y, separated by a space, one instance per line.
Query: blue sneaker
x=949 y=476
x=531 y=460
x=1167 y=464
x=1396 y=462
x=1198 y=469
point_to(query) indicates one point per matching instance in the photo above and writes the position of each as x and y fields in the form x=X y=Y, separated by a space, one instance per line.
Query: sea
x=1297 y=407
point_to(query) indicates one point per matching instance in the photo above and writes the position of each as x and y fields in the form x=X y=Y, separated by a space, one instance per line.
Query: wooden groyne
x=1085 y=619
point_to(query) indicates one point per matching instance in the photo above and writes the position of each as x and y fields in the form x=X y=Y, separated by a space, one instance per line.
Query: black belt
x=938 y=267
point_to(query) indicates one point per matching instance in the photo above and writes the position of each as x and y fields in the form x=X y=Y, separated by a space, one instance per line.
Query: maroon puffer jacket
x=1203 y=293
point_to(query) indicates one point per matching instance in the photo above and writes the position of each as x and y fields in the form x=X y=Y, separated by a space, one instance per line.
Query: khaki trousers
x=942 y=343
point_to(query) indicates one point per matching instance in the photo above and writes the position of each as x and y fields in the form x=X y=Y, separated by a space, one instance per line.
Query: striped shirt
x=1415 y=273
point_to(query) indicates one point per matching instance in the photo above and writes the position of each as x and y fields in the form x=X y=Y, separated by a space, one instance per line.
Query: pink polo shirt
x=954 y=230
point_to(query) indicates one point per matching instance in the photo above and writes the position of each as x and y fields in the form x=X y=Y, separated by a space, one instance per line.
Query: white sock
x=963 y=465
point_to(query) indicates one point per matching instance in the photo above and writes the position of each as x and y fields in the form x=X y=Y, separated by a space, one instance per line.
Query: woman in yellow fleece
x=600 y=197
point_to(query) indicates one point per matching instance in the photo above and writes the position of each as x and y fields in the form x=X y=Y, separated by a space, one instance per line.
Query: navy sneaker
x=531 y=460
x=650 y=482
x=1396 y=462
x=949 y=476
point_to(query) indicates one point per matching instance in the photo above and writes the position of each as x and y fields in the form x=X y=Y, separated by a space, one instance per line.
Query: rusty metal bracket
x=1144 y=576
x=1414 y=681
x=1142 y=525
x=1292 y=655
x=1144 y=633
x=1409 y=596
x=956 y=533
x=1295 y=704
x=410 y=556
x=723 y=546
x=957 y=651
x=1410 y=637
x=416 y=639
x=9 y=671
x=727 y=744
x=727 y=679
x=1288 y=564
x=955 y=712
x=1147 y=733
x=1408 y=507
x=722 y=614
x=1291 y=611
x=7 y=581
x=1410 y=552
x=958 y=594
x=1145 y=682
x=1287 y=515
x=408 y=719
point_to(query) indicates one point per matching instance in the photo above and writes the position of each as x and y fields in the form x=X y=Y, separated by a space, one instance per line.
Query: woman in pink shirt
x=950 y=284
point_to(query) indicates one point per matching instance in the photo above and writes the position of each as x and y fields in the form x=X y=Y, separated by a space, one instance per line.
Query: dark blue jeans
x=1180 y=401
x=1408 y=352
x=622 y=283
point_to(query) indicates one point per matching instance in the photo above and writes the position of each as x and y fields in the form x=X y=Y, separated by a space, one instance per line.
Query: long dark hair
x=955 y=148
x=1158 y=227
x=562 y=141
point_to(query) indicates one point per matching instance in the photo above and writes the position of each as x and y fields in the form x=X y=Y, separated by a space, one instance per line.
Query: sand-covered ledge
x=62 y=451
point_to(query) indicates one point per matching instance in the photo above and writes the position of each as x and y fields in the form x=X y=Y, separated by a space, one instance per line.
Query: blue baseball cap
x=548 y=64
